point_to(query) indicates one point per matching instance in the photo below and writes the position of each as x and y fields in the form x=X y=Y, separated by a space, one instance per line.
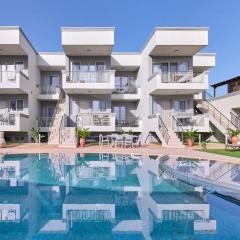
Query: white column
x=2 y=140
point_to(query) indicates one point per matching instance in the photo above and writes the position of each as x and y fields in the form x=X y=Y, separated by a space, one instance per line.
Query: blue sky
x=134 y=21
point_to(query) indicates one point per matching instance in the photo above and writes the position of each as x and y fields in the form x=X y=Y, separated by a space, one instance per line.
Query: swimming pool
x=114 y=196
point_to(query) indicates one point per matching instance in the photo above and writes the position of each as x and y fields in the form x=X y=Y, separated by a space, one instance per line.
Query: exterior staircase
x=174 y=140
x=218 y=119
x=60 y=134
x=167 y=136
x=55 y=125
x=68 y=137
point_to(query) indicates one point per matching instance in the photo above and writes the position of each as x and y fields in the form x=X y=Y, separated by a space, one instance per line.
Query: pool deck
x=149 y=149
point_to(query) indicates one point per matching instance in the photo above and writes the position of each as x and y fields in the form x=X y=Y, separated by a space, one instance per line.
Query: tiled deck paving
x=150 y=149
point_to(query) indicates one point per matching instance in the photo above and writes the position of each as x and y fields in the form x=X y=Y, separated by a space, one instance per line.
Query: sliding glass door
x=164 y=71
x=120 y=112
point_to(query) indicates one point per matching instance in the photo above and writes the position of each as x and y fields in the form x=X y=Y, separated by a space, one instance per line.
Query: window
x=19 y=66
x=183 y=67
x=156 y=68
x=54 y=81
x=120 y=112
x=164 y=71
x=47 y=110
x=84 y=67
x=122 y=83
x=16 y=105
x=180 y=106
x=75 y=66
x=99 y=106
x=92 y=68
x=173 y=67
x=100 y=66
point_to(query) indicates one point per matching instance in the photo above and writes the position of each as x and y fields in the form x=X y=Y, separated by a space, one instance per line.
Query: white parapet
x=87 y=41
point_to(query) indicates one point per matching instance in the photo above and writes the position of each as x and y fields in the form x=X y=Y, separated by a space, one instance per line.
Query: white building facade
x=157 y=91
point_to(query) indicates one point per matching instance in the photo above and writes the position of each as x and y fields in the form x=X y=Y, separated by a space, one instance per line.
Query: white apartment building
x=156 y=91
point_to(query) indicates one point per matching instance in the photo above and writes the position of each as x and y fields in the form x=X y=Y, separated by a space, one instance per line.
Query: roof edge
x=205 y=54
x=170 y=29
x=51 y=53
x=87 y=28
x=126 y=53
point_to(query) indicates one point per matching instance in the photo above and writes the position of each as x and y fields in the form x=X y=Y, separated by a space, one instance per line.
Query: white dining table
x=113 y=137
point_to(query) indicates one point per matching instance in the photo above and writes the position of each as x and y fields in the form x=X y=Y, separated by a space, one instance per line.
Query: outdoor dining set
x=119 y=140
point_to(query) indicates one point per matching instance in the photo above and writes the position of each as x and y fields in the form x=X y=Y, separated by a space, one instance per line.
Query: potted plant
x=82 y=133
x=233 y=134
x=35 y=132
x=190 y=135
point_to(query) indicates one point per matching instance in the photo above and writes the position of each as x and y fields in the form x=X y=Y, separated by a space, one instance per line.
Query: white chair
x=103 y=140
x=128 y=142
x=137 y=143
x=118 y=141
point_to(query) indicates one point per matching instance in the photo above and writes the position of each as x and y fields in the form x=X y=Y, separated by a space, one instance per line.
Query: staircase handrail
x=205 y=93
x=237 y=119
x=57 y=108
x=179 y=124
x=163 y=128
x=215 y=109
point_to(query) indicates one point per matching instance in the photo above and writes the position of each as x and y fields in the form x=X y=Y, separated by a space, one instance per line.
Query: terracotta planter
x=190 y=142
x=82 y=142
x=2 y=140
x=234 y=140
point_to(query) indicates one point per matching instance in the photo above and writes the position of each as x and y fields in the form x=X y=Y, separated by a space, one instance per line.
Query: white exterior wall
x=227 y=104
x=99 y=42
x=34 y=77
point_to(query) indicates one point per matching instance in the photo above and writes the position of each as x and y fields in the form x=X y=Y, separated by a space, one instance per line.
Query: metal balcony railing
x=127 y=123
x=44 y=121
x=45 y=90
x=89 y=77
x=124 y=89
x=192 y=121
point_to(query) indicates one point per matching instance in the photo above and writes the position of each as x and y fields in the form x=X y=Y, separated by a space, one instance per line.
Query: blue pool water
x=104 y=196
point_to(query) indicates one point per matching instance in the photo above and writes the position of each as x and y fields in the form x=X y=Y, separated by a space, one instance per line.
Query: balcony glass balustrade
x=179 y=77
x=89 y=77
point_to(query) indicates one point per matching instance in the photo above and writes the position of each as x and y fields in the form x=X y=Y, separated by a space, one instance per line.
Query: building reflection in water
x=97 y=196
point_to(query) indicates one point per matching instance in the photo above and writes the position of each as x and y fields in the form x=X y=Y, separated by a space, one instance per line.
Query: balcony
x=125 y=93
x=184 y=122
x=96 y=82
x=97 y=122
x=49 y=93
x=175 y=83
x=134 y=125
x=12 y=122
x=13 y=82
